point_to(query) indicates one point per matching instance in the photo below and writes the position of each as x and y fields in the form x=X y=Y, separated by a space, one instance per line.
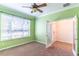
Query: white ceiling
x=51 y=7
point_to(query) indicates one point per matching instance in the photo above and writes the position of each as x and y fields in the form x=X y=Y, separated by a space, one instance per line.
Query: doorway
x=64 y=30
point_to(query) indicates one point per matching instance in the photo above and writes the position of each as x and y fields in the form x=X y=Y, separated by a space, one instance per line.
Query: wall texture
x=15 y=42
x=65 y=30
x=41 y=34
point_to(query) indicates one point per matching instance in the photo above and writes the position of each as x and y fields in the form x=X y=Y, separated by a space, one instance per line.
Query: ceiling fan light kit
x=33 y=10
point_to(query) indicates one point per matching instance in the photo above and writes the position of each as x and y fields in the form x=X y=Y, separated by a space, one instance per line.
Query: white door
x=51 y=33
x=75 y=36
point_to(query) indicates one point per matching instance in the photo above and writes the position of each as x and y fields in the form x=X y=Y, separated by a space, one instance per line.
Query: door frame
x=49 y=36
x=74 y=52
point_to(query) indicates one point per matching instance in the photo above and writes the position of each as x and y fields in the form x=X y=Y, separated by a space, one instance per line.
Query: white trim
x=47 y=46
x=52 y=41
x=75 y=38
x=40 y=42
x=14 y=46
x=75 y=54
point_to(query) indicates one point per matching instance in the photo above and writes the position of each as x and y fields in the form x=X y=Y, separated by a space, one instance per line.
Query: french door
x=51 y=33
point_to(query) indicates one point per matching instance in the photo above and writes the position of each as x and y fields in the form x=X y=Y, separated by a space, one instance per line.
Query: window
x=14 y=27
x=17 y=25
x=5 y=27
x=26 y=27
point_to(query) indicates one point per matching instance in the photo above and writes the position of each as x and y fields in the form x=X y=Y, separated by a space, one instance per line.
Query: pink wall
x=63 y=30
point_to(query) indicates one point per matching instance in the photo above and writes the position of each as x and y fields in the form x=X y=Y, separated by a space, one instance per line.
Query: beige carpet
x=37 y=49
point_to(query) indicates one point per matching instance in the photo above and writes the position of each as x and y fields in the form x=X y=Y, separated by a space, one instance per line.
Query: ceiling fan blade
x=39 y=10
x=42 y=5
x=26 y=7
x=66 y=4
x=34 y=4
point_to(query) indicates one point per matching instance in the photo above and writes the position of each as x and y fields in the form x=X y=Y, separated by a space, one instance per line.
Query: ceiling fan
x=35 y=7
x=66 y=4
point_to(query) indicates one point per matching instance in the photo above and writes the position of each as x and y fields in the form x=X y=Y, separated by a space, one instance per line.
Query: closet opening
x=63 y=34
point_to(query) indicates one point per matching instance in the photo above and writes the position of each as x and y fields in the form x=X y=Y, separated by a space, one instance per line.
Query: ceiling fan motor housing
x=33 y=10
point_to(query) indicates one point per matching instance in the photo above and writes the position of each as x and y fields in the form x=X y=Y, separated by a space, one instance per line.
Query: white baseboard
x=41 y=42
x=47 y=46
x=65 y=41
x=75 y=54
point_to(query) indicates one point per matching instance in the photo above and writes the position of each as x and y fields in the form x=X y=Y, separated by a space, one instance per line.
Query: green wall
x=19 y=41
x=38 y=27
x=41 y=34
